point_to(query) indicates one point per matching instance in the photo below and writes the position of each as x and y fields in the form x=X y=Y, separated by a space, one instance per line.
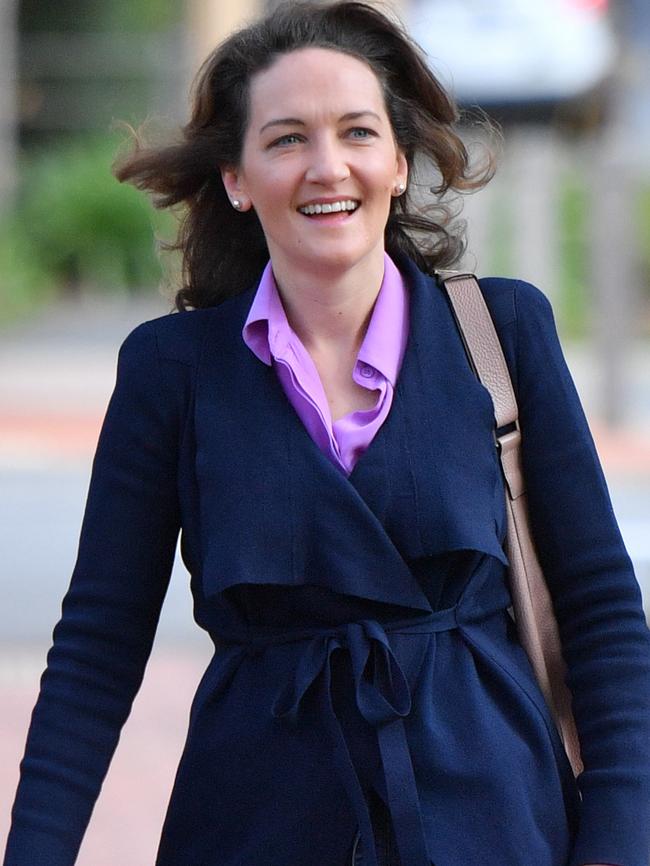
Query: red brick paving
x=623 y=452
x=72 y=434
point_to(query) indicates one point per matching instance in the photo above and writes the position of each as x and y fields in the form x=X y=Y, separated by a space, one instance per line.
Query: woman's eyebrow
x=283 y=121
x=355 y=115
x=295 y=121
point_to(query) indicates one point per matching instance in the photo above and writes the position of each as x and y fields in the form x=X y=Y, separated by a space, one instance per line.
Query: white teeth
x=329 y=207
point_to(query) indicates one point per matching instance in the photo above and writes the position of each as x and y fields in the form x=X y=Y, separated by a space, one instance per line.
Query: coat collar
x=275 y=510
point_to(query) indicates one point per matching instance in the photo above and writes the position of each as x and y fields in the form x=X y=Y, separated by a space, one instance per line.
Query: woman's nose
x=327 y=164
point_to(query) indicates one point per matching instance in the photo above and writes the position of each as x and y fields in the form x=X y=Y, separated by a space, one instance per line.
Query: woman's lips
x=333 y=218
x=331 y=205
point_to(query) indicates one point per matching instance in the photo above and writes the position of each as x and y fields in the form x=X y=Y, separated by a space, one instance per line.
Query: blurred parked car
x=519 y=57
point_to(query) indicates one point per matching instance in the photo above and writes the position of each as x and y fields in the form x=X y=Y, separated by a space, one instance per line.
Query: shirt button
x=366 y=371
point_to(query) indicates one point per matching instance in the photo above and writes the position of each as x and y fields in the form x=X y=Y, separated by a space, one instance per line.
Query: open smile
x=329 y=207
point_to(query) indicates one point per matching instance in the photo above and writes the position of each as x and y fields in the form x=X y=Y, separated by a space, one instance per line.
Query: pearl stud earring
x=399 y=189
x=236 y=204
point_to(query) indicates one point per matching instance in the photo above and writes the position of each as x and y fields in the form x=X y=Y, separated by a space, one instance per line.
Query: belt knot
x=381 y=689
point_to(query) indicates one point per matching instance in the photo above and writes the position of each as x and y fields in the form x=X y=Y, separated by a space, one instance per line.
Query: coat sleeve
x=597 y=599
x=109 y=614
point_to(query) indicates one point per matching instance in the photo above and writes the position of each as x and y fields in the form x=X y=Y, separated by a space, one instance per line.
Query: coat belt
x=383 y=701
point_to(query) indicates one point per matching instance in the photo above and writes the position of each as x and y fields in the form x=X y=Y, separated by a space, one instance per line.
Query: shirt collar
x=265 y=310
x=385 y=341
x=267 y=331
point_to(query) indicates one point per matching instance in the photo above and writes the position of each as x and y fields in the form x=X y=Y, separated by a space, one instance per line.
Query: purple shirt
x=268 y=334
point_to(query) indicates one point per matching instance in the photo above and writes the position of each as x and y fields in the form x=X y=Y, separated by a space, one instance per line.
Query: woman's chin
x=334 y=259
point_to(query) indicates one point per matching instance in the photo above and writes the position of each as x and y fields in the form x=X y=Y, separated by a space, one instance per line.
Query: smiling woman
x=310 y=421
x=241 y=102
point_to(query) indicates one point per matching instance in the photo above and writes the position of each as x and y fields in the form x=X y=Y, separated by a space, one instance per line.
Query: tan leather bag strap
x=532 y=604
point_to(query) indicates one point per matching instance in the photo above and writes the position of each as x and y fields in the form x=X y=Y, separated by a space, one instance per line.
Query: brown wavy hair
x=224 y=252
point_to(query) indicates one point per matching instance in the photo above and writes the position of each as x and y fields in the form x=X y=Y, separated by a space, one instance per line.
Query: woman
x=315 y=429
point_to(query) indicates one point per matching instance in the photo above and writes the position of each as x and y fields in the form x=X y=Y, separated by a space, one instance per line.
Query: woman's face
x=318 y=134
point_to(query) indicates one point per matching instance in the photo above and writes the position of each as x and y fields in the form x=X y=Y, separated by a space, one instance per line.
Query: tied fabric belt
x=383 y=701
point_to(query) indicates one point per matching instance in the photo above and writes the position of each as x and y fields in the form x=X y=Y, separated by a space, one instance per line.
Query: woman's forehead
x=313 y=78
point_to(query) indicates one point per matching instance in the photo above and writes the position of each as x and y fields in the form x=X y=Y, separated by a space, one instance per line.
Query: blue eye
x=289 y=138
x=361 y=132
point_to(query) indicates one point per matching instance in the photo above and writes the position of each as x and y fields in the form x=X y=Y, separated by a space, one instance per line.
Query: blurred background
x=569 y=209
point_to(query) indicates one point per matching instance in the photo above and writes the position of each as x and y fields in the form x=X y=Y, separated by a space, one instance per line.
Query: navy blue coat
x=360 y=623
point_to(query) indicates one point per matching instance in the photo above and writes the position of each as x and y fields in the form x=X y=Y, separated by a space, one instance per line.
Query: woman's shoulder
x=521 y=312
x=524 y=321
x=179 y=335
x=174 y=336
x=510 y=300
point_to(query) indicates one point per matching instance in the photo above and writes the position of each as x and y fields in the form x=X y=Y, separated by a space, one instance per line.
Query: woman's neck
x=330 y=311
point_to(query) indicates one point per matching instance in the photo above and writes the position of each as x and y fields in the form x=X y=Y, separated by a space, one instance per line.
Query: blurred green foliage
x=75 y=227
x=94 y=15
x=23 y=281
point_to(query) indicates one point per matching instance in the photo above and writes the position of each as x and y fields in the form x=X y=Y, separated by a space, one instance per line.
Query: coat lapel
x=273 y=508
x=432 y=473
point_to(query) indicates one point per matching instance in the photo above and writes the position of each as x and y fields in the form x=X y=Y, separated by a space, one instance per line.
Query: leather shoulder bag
x=531 y=600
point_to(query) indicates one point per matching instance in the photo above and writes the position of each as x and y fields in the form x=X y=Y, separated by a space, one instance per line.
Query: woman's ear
x=402 y=171
x=233 y=186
